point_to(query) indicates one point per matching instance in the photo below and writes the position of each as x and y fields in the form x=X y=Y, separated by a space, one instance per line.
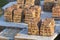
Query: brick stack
x=17 y=15
x=8 y=14
x=56 y=12
x=33 y=28
x=32 y=13
x=30 y=19
x=47 y=27
x=31 y=16
x=48 y=5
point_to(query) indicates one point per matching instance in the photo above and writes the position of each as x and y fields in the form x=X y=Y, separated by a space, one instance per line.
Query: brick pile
x=31 y=16
x=47 y=27
x=33 y=28
x=56 y=12
x=8 y=14
x=26 y=11
x=21 y=4
x=17 y=15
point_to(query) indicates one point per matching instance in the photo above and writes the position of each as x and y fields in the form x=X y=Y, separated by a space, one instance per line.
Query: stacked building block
x=56 y=12
x=47 y=27
x=31 y=16
x=8 y=14
x=48 y=5
x=33 y=28
x=17 y=15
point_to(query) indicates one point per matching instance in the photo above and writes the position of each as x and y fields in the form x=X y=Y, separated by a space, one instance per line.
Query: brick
x=56 y=12
x=17 y=15
x=47 y=27
x=8 y=14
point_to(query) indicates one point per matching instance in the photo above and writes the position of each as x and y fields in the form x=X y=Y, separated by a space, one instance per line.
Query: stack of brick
x=47 y=27
x=33 y=28
x=31 y=16
x=56 y=12
x=17 y=15
x=8 y=14
x=48 y=5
